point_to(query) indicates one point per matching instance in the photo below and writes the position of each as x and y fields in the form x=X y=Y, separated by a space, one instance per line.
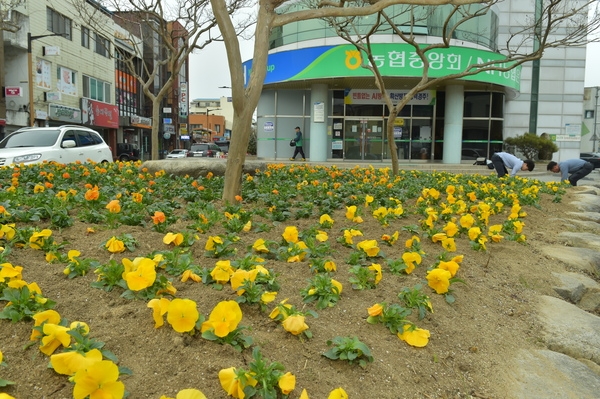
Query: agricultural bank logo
x=353 y=59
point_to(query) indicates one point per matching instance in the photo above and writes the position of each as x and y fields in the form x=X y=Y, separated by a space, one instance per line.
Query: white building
x=69 y=77
x=314 y=81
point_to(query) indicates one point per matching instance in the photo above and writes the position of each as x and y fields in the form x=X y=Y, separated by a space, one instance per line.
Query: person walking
x=578 y=168
x=298 y=149
x=503 y=160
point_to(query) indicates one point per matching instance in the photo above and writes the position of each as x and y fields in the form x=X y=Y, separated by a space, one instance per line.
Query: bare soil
x=468 y=356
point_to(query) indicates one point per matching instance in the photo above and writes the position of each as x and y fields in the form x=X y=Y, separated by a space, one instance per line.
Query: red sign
x=96 y=113
x=13 y=92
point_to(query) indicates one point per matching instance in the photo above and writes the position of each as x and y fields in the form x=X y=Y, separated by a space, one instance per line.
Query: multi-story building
x=208 y=119
x=62 y=66
x=314 y=81
x=590 y=132
x=57 y=71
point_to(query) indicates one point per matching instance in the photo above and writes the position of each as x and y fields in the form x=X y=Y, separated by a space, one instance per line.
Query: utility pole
x=594 y=136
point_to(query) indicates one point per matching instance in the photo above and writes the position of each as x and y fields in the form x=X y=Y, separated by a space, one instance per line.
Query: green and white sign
x=392 y=59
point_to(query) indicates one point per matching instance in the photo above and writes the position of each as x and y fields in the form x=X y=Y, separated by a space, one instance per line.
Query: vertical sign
x=183 y=100
x=319 y=112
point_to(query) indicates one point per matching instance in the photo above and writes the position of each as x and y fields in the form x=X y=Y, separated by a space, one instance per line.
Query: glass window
x=364 y=110
x=338 y=103
x=85 y=37
x=497 y=105
x=440 y=104
x=85 y=138
x=477 y=105
x=404 y=112
x=58 y=23
x=422 y=110
x=96 y=89
x=102 y=45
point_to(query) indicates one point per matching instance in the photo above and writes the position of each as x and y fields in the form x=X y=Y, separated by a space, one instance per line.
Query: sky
x=208 y=69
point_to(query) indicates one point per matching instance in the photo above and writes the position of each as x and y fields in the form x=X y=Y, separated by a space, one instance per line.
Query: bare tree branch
x=7 y=20
x=172 y=28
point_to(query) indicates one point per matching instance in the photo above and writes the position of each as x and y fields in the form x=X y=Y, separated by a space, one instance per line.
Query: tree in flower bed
x=243 y=253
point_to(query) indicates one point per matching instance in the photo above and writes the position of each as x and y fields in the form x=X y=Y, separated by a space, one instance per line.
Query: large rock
x=578 y=289
x=569 y=330
x=197 y=167
x=583 y=240
x=544 y=374
x=587 y=202
x=583 y=259
x=591 y=216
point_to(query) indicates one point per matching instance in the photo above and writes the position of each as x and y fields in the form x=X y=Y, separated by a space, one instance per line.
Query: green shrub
x=533 y=146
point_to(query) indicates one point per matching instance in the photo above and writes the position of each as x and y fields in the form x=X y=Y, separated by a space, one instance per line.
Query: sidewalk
x=466 y=167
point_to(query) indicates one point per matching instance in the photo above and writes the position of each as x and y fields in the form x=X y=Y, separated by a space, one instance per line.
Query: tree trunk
x=244 y=100
x=392 y=143
x=236 y=157
x=155 y=128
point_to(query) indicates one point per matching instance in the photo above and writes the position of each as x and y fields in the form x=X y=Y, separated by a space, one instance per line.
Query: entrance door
x=363 y=138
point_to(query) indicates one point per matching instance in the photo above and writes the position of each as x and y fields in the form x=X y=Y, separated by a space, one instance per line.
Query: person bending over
x=577 y=168
x=503 y=160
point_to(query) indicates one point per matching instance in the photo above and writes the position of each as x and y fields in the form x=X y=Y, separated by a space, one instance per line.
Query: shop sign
x=13 y=91
x=572 y=133
x=63 y=113
x=359 y=96
x=96 y=113
x=269 y=127
x=392 y=59
x=52 y=96
x=141 y=121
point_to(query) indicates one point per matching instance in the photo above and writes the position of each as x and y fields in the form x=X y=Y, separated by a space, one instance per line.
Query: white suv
x=63 y=144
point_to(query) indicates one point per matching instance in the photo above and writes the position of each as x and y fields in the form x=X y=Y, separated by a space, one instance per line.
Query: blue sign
x=168 y=120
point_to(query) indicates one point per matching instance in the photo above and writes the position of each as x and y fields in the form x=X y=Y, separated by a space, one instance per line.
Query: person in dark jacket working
x=298 y=149
x=578 y=168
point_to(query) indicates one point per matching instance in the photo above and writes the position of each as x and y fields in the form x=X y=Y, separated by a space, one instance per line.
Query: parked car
x=63 y=144
x=204 y=150
x=222 y=143
x=128 y=152
x=591 y=157
x=178 y=153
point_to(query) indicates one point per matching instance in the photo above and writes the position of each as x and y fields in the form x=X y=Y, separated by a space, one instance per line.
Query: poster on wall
x=572 y=133
x=66 y=81
x=269 y=126
x=319 y=112
x=43 y=73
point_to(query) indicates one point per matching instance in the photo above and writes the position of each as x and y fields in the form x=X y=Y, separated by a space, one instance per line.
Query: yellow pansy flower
x=99 y=380
x=182 y=314
x=414 y=336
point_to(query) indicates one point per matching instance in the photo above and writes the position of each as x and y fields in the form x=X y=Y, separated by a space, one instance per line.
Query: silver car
x=204 y=150
x=63 y=144
x=178 y=153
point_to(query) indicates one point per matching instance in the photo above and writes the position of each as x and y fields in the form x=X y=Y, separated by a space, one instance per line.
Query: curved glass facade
x=427 y=21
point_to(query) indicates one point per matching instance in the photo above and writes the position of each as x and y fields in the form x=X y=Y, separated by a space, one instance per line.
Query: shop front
x=435 y=125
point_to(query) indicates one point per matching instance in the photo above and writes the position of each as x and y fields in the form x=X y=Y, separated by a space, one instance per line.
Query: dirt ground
x=471 y=340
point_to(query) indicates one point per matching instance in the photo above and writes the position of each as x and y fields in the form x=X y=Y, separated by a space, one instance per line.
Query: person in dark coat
x=298 y=149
